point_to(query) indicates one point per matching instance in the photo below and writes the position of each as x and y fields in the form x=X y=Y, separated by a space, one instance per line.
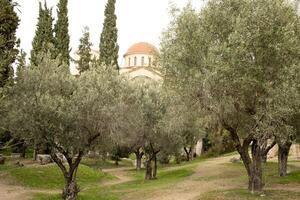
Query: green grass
x=165 y=178
x=46 y=197
x=270 y=173
x=90 y=178
x=90 y=195
x=105 y=164
x=4 y=167
x=7 y=167
x=242 y=194
x=50 y=177
x=194 y=162
x=293 y=177
x=137 y=186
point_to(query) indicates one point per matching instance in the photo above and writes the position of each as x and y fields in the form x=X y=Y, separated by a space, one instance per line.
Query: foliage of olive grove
x=240 y=61
x=69 y=114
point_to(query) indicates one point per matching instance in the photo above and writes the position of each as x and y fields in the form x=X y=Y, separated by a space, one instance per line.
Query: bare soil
x=208 y=176
x=120 y=173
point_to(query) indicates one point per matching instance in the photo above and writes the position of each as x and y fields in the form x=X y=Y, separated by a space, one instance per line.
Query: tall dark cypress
x=109 y=47
x=61 y=30
x=9 y=22
x=84 y=51
x=43 y=34
x=21 y=62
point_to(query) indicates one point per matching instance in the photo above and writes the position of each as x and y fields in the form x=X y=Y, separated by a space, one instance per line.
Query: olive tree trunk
x=283 y=153
x=189 y=153
x=255 y=179
x=154 y=175
x=23 y=150
x=252 y=164
x=71 y=189
x=149 y=174
x=35 y=152
x=151 y=171
x=139 y=156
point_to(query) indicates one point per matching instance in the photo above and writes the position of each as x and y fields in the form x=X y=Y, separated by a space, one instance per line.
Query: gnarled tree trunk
x=189 y=153
x=148 y=175
x=71 y=189
x=283 y=153
x=151 y=172
x=253 y=165
x=23 y=150
x=117 y=162
x=155 y=167
x=255 y=179
x=35 y=152
x=139 y=156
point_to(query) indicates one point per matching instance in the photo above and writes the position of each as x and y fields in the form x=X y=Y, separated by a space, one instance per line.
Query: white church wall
x=139 y=58
x=142 y=72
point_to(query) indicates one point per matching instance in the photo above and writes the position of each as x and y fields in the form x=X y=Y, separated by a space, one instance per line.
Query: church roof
x=141 y=48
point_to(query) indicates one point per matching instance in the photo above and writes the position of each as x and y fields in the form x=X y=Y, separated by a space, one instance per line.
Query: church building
x=140 y=62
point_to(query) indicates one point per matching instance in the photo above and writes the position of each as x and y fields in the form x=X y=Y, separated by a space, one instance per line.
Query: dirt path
x=8 y=192
x=208 y=176
x=120 y=173
x=11 y=192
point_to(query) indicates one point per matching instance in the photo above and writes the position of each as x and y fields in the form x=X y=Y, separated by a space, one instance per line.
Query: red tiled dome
x=141 y=48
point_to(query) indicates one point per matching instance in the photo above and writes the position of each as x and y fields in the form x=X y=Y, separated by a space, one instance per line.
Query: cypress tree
x=43 y=34
x=9 y=22
x=84 y=51
x=109 y=47
x=21 y=62
x=61 y=30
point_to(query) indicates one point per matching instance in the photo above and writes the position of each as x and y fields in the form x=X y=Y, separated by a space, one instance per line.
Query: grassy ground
x=201 y=179
x=105 y=164
x=137 y=187
x=50 y=177
x=276 y=188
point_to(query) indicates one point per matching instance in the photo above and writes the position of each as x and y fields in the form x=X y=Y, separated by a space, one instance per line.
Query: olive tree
x=151 y=109
x=69 y=114
x=285 y=118
x=238 y=58
x=132 y=128
x=145 y=116
x=182 y=121
x=250 y=64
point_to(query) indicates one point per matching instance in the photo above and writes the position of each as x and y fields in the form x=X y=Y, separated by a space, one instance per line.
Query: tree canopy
x=61 y=31
x=70 y=115
x=109 y=48
x=9 y=22
x=43 y=38
x=237 y=57
x=84 y=52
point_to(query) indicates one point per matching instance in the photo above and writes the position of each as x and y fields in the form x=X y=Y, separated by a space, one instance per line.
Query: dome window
x=150 y=62
x=143 y=60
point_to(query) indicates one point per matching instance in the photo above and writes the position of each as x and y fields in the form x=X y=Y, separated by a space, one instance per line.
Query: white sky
x=138 y=20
